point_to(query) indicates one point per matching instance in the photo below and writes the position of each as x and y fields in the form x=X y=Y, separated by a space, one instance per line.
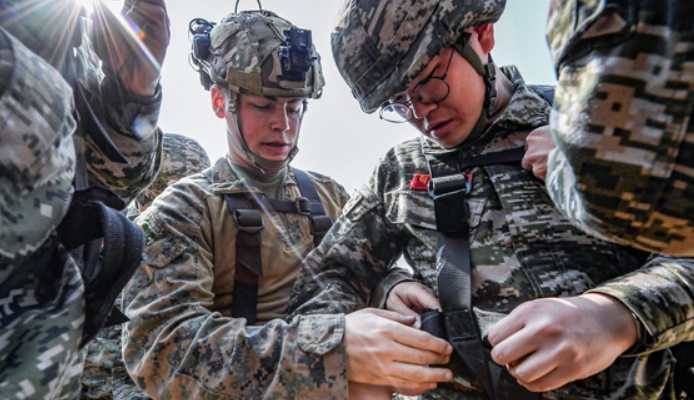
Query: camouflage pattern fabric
x=41 y=290
x=522 y=248
x=181 y=156
x=624 y=166
x=105 y=375
x=380 y=50
x=181 y=341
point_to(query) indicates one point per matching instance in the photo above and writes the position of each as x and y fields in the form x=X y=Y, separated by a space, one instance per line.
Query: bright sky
x=337 y=138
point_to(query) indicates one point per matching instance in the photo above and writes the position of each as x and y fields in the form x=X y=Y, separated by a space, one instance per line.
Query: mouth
x=438 y=129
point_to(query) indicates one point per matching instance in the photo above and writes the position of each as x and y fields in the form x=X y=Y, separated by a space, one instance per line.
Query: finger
x=394 y=316
x=550 y=381
x=525 y=162
x=533 y=367
x=422 y=340
x=397 y=305
x=423 y=298
x=411 y=376
x=511 y=349
x=413 y=392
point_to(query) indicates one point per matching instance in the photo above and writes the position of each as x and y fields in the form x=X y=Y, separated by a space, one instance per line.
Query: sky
x=336 y=139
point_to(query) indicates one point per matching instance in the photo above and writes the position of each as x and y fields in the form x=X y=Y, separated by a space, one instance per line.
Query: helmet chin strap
x=263 y=164
x=488 y=73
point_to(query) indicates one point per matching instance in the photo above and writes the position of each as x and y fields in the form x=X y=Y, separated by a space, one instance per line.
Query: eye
x=261 y=106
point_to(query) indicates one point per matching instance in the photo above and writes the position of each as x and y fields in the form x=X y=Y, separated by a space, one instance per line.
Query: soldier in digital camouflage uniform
x=186 y=337
x=105 y=375
x=413 y=59
x=42 y=139
x=624 y=167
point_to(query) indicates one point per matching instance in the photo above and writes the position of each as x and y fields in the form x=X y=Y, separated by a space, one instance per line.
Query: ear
x=218 y=98
x=485 y=35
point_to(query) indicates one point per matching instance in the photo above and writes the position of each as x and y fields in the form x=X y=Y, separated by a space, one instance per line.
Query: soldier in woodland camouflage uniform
x=189 y=336
x=592 y=301
x=624 y=167
x=105 y=375
x=41 y=143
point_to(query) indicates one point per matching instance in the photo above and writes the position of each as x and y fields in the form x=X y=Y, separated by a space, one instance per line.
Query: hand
x=538 y=145
x=364 y=391
x=382 y=350
x=411 y=298
x=136 y=50
x=547 y=343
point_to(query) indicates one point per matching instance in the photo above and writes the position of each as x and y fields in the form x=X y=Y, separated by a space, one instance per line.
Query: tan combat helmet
x=257 y=52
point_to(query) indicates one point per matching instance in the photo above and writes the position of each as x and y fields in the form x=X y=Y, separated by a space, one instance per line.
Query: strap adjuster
x=249 y=221
x=303 y=206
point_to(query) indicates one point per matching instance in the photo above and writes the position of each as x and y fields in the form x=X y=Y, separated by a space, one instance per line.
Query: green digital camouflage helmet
x=260 y=53
x=380 y=46
x=181 y=156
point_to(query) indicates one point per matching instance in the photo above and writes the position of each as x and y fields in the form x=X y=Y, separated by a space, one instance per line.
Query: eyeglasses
x=430 y=90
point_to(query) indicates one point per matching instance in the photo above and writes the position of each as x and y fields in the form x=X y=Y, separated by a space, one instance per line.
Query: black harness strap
x=449 y=188
x=107 y=267
x=249 y=222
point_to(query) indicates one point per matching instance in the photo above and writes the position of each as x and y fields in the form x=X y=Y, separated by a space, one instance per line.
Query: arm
x=126 y=98
x=175 y=346
x=549 y=342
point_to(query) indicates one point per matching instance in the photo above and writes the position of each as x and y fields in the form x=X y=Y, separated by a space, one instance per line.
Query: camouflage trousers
x=41 y=321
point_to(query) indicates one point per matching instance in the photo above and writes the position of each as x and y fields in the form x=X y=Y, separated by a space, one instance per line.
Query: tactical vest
x=249 y=222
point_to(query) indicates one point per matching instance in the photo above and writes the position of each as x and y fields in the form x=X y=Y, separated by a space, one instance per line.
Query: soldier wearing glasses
x=559 y=307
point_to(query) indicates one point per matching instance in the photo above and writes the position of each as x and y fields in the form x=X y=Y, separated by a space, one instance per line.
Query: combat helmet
x=181 y=156
x=381 y=46
x=256 y=52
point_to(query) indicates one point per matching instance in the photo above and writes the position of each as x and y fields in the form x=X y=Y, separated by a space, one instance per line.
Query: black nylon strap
x=320 y=223
x=106 y=268
x=449 y=187
x=249 y=222
x=249 y=267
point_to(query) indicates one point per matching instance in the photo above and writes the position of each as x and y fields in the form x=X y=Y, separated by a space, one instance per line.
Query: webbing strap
x=449 y=187
x=107 y=268
x=249 y=222
x=320 y=223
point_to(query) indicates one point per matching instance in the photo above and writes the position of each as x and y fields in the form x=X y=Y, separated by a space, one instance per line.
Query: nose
x=420 y=110
x=280 y=119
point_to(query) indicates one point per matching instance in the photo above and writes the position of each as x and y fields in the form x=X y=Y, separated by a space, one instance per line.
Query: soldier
x=80 y=108
x=479 y=231
x=104 y=375
x=207 y=305
x=622 y=121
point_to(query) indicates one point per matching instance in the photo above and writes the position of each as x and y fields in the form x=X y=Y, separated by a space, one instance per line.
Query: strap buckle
x=249 y=221
x=303 y=206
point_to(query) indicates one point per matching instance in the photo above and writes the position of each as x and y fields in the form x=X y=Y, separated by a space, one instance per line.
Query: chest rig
x=249 y=222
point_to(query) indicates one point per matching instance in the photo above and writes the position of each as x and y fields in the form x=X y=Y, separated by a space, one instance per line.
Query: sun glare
x=89 y=4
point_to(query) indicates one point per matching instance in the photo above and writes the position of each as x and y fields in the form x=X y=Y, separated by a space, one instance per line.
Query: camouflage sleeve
x=395 y=276
x=661 y=295
x=131 y=123
x=175 y=347
x=623 y=168
x=340 y=274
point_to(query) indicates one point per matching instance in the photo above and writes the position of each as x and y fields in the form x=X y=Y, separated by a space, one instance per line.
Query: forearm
x=178 y=348
x=130 y=122
x=341 y=273
x=661 y=295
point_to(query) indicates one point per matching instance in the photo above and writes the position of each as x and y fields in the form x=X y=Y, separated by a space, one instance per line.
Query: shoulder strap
x=320 y=222
x=449 y=187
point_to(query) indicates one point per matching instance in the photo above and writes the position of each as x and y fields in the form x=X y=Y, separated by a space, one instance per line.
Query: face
x=269 y=126
x=450 y=121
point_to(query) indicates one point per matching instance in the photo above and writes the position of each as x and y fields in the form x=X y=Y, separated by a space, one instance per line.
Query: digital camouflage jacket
x=522 y=248
x=40 y=139
x=181 y=341
x=622 y=120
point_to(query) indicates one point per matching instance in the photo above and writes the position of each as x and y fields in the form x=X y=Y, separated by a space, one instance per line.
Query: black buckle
x=303 y=206
x=249 y=221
